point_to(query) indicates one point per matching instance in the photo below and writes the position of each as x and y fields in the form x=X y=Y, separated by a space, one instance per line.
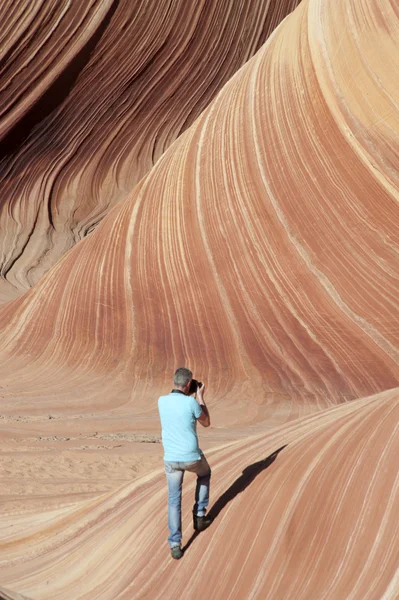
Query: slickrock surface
x=261 y=250
x=91 y=94
x=9 y=595
x=310 y=510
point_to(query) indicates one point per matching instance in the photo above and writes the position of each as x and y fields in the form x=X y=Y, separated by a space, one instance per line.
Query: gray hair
x=182 y=377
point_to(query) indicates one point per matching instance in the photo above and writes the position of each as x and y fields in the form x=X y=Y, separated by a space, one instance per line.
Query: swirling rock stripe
x=9 y=595
x=272 y=220
x=321 y=521
x=86 y=124
x=31 y=36
x=255 y=251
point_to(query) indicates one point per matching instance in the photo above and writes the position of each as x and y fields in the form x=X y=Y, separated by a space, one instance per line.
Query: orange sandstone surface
x=309 y=510
x=249 y=230
x=92 y=93
x=9 y=595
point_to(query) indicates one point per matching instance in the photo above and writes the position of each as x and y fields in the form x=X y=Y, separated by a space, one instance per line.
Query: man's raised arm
x=204 y=419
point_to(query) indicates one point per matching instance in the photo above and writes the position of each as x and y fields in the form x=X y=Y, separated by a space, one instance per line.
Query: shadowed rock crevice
x=55 y=95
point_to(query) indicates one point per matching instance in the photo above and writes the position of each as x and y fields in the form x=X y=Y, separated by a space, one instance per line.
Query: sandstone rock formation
x=309 y=510
x=262 y=251
x=91 y=96
x=9 y=595
x=261 y=247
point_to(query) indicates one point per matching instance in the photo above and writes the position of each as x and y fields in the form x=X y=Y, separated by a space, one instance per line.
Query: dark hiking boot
x=201 y=523
x=176 y=552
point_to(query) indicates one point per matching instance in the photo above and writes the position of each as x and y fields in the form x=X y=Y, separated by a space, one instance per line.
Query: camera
x=194 y=386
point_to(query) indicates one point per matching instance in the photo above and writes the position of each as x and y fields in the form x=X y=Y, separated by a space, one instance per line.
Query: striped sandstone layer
x=310 y=510
x=92 y=93
x=262 y=251
x=9 y=595
x=262 y=248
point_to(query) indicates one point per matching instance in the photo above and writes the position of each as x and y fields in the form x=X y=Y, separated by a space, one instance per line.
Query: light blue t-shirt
x=179 y=414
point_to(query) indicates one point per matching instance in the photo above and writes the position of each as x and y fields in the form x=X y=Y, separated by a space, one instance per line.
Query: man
x=179 y=413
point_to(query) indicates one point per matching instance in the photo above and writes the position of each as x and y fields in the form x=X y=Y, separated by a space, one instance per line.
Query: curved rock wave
x=260 y=249
x=307 y=510
x=91 y=96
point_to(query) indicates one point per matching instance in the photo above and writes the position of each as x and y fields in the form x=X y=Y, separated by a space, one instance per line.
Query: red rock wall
x=91 y=96
x=260 y=248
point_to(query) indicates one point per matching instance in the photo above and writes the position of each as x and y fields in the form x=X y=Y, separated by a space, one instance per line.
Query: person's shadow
x=238 y=486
